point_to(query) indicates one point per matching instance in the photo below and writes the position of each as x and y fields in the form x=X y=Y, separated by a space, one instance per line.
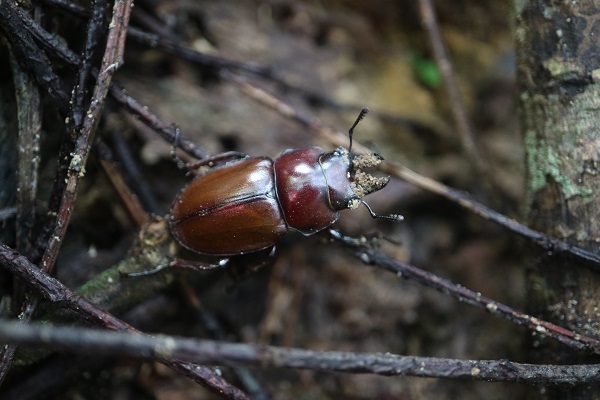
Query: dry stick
x=168 y=132
x=29 y=122
x=222 y=353
x=61 y=296
x=132 y=204
x=429 y=21
x=130 y=201
x=113 y=58
x=370 y=256
x=68 y=6
x=49 y=41
x=30 y=125
x=546 y=242
x=15 y=24
x=73 y=121
x=79 y=93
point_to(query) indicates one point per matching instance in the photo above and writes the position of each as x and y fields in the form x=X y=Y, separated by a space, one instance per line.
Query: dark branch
x=370 y=256
x=210 y=352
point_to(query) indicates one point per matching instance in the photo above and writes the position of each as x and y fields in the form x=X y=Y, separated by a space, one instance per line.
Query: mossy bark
x=558 y=56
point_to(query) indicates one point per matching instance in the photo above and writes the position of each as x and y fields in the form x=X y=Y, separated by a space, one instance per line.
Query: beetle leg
x=372 y=240
x=180 y=263
x=216 y=160
x=348 y=240
x=209 y=161
x=243 y=265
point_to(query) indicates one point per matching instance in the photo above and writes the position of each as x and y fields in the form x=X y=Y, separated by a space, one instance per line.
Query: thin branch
x=429 y=21
x=210 y=352
x=30 y=125
x=167 y=131
x=78 y=96
x=29 y=122
x=130 y=201
x=14 y=24
x=49 y=41
x=113 y=58
x=370 y=256
x=545 y=242
x=68 y=6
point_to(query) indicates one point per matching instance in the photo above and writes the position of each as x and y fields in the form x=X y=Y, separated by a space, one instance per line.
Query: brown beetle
x=248 y=205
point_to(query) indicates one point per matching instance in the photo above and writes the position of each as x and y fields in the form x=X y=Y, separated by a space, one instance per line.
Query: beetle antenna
x=361 y=115
x=393 y=217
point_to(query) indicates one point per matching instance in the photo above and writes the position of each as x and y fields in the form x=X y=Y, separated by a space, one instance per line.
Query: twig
x=68 y=6
x=113 y=58
x=429 y=21
x=139 y=186
x=370 y=256
x=223 y=353
x=14 y=23
x=134 y=208
x=29 y=122
x=68 y=190
x=545 y=242
x=30 y=125
x=153 y=121
x=78 y=96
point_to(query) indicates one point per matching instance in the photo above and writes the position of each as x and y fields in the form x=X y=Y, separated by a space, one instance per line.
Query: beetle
x=249 y=204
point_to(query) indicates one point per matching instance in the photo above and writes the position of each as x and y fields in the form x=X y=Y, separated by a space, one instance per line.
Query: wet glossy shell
x=303 y=191
x=230 y=210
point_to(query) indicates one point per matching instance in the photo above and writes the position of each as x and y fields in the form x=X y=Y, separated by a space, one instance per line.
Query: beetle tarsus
x=217 y=160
